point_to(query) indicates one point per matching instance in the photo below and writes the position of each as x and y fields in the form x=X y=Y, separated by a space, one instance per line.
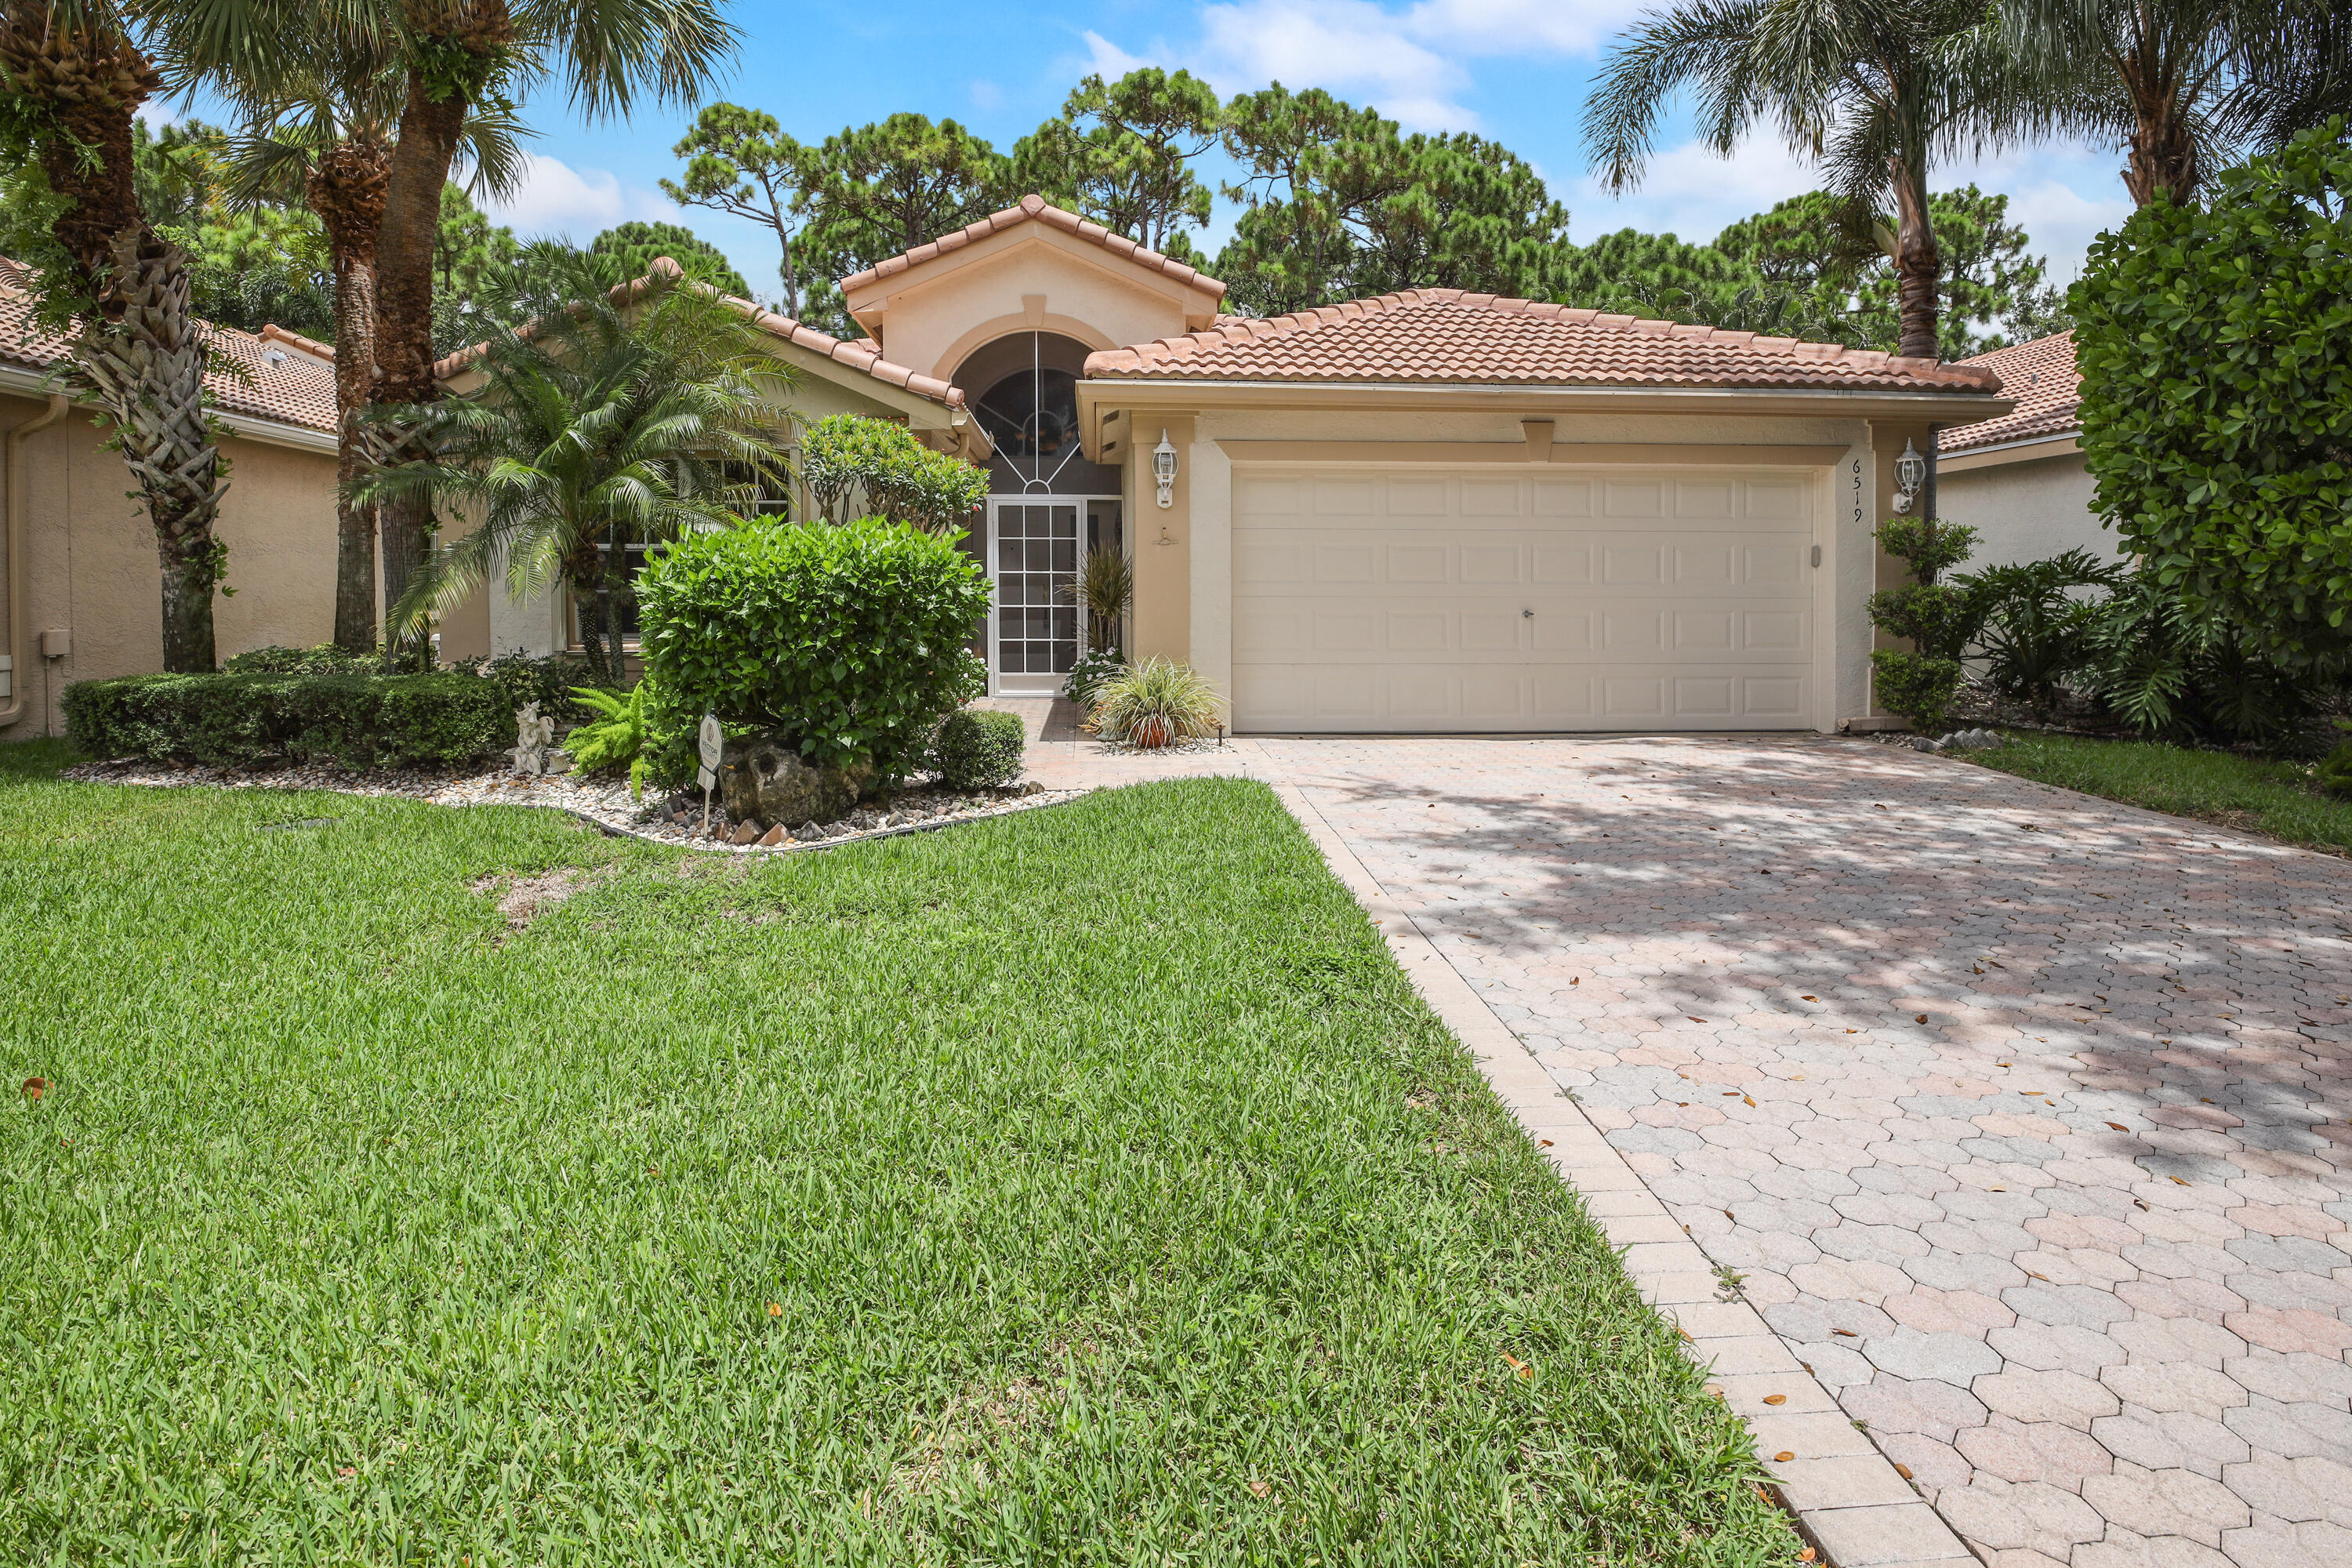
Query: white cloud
x=2063 y=194
x=1107 y=61
x=1689 y=192
x=987 y=96
x=1352 y=46
x=557 y=199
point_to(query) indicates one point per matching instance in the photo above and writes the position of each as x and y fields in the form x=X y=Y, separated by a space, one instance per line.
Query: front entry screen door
x=1035 y=565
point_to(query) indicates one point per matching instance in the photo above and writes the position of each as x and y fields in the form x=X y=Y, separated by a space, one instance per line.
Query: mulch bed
x=606 y=802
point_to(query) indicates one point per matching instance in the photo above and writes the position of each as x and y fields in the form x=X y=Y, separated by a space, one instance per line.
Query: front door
x=1034 y=560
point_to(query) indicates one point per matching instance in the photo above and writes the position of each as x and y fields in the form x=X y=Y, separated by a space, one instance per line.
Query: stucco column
x=1213 y=564
x=1886 y=439
x=1163 y=539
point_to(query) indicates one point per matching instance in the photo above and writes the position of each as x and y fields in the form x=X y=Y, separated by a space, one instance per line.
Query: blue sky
x=1516 y=70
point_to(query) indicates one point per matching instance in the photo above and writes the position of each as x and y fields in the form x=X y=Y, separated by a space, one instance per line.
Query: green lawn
x=2246 y=793
x=1081 y=1188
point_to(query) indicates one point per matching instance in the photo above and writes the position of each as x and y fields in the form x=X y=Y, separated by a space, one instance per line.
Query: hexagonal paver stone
x=2032 y=1114
x=1947 y=1358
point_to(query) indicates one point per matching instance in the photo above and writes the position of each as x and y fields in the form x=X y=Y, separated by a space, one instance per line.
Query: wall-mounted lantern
x=1164 y=469
x=1910 y=473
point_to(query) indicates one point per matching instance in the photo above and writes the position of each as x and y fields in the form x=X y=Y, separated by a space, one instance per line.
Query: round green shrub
x=979 y=748
x=849 y=642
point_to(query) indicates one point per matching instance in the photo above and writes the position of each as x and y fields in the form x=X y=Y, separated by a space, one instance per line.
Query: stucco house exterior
x=1429 y=513
x=2020 y=479
x=1433 y=511
x=82 y=596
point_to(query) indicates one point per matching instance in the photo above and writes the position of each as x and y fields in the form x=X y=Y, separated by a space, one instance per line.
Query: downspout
x=12 y=517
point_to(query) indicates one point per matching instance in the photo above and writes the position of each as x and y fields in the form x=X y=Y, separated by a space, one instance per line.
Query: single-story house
x=1433 y=511
x=2019 y=478
x=83 y=591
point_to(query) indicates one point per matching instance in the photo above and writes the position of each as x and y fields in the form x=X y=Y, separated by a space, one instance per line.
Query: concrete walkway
x=2025 y=1117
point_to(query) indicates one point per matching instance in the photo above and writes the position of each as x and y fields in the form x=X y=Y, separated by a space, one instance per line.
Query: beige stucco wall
x=91 y=563
x=1030 y=276
x=1183 y=603
x=2026 y=510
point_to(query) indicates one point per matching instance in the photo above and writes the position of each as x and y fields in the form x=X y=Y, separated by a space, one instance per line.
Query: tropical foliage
x=1939 y=619
x=621 y=418
x=2215 y=343
x=1875 y=93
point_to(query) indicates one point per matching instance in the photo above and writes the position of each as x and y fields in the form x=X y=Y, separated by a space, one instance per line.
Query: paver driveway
x=2026 y=1116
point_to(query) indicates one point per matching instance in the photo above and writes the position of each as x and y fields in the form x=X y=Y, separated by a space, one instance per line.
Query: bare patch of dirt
x=523 y=898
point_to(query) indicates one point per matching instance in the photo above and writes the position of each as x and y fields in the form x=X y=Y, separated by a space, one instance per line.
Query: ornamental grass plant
x=1156 y=703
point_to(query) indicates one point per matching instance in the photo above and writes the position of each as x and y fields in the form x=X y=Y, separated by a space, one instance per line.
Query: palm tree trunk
x=347 y=191
x=2163 y=160
x=429 y=131
x=1918 y=268
x=615 y=561
x=137 y=350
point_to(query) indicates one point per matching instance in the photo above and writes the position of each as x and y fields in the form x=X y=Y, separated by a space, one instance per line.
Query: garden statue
x=535 y=751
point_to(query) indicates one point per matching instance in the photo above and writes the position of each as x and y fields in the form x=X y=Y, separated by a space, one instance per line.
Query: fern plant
x=616 y=739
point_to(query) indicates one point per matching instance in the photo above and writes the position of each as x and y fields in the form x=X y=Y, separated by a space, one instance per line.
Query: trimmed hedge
x=979 y=748
x=230 y=721
x=849 y=642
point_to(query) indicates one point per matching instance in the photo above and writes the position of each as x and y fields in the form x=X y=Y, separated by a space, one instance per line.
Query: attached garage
x=1412 y=600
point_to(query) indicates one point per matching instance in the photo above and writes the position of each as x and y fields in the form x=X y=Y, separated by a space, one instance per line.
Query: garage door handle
x=1527 y=615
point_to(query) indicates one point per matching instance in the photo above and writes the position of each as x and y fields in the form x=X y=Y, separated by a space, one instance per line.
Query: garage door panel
x=1563 y=563
x=1561 y=631
x=1490 y=631
x=1629 y=566
x=1417 y=498
x=1419 y=563
x=1490 y=562
x=1419 y=601
x=1563 y=498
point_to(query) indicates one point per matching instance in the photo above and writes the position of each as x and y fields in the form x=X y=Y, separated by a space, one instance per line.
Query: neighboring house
x=2019 y=480
x=83 y=592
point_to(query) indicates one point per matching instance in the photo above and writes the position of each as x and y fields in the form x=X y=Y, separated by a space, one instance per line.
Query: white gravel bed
x=604 y=802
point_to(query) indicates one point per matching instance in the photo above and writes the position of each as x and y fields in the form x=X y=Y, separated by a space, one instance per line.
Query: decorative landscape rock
x=764 y=780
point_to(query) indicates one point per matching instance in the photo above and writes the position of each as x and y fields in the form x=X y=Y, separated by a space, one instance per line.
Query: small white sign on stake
x=713 y=742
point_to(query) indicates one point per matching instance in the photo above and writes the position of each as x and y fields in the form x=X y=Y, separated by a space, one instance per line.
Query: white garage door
x=1404 y=601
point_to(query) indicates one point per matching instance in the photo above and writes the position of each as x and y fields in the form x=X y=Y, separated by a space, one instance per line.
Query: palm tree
x=2185 y=85
x=1873 y=90
x=75 y=73
x=323 y=134
x=621 y=414
x=459 y=54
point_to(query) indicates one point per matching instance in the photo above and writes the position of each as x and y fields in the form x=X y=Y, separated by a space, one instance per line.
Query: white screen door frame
x=1036 y=548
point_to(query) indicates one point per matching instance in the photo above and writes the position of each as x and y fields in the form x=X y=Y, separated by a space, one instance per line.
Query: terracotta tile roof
x=2042 y=376
x=274 y=333
x=294 y=389
x=1444 y=335
x=1036 y=209
x=861 y=355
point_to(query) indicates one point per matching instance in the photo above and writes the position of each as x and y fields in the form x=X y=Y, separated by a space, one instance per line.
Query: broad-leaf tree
x=621 y=415
x=741 y=162
x=75 y=74
x=1121 y=153
x=2215 y=343
x=1875 y=90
